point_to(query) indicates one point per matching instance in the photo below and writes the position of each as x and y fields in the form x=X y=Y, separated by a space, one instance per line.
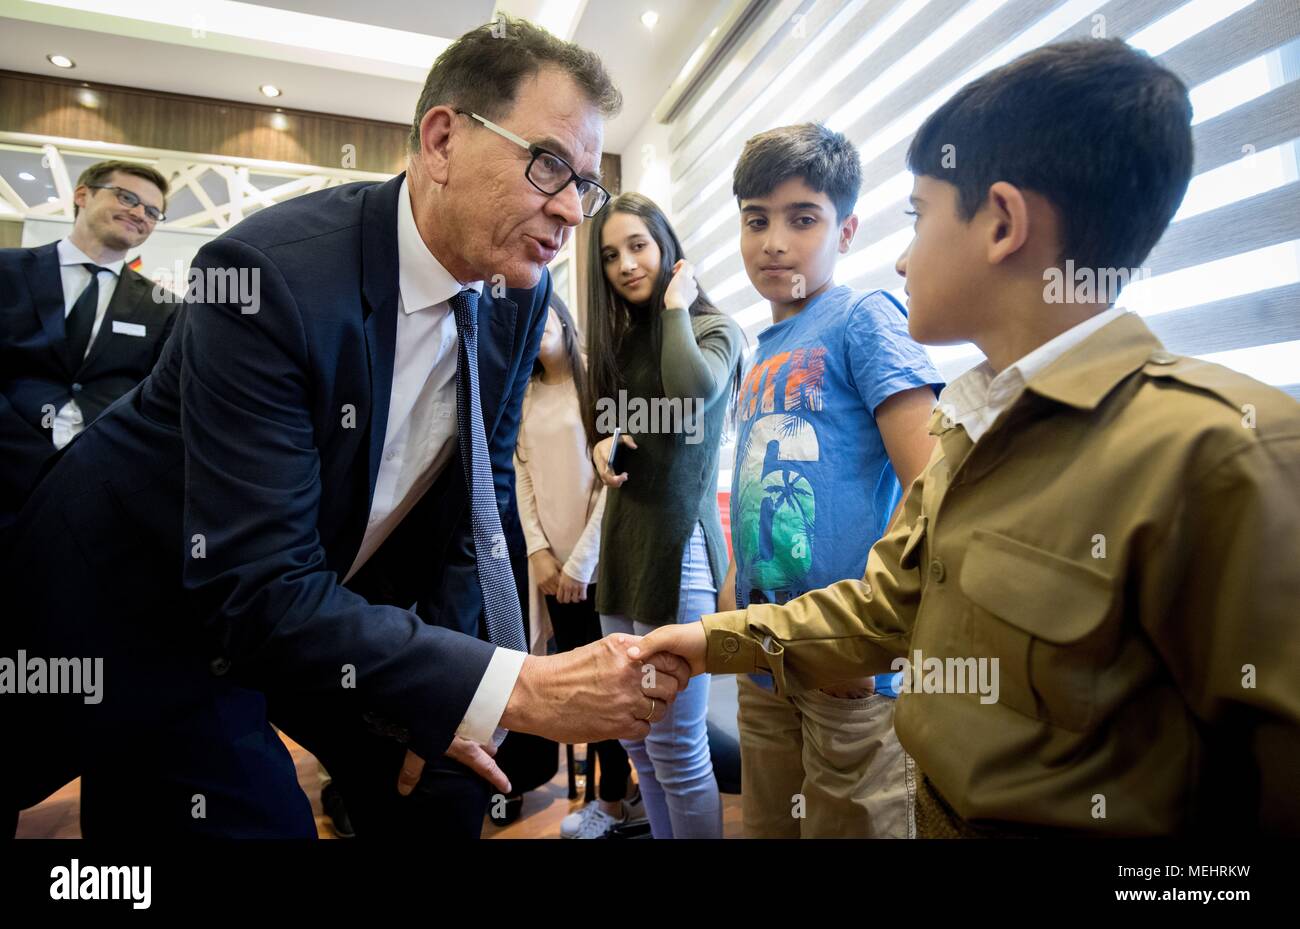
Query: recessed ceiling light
x=61 y=61
x=270 y=90
x=26 y=176
x=649 y=18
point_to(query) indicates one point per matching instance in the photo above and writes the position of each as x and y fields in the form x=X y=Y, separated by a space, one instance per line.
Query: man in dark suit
x=306 y=512
x=77 y=327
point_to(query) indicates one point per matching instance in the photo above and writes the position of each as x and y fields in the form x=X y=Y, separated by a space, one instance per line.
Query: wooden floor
x=59 y=816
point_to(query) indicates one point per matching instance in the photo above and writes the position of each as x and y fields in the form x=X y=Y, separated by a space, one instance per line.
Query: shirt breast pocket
x=1049 y=621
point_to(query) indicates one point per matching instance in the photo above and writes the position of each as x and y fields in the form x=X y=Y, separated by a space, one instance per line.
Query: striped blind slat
x=886 y=166
x=799 y=56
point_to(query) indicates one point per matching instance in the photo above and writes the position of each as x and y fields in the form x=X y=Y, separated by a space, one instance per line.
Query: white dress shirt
x=69 y=421
x=420 y=437
x=977 y=398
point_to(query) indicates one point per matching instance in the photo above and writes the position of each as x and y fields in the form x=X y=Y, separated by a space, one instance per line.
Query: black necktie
x=505 y=623
x=81 y=321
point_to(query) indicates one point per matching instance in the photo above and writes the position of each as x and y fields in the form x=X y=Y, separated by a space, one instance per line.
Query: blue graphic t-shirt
x=813 y=487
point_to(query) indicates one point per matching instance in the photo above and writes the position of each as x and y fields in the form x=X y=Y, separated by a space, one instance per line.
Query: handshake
x=611 y=689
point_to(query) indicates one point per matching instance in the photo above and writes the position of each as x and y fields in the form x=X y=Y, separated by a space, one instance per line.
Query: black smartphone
x=616 y=450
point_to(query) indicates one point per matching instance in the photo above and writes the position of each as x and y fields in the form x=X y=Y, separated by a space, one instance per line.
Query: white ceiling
x=119 y=43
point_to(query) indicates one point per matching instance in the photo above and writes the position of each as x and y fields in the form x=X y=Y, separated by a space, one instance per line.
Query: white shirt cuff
x=489 y=703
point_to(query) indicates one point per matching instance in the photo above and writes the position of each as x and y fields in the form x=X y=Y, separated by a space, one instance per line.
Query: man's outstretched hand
x=686 y=642
x=611 y=689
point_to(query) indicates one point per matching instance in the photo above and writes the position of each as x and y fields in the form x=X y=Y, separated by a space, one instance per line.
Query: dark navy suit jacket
x=202 y=525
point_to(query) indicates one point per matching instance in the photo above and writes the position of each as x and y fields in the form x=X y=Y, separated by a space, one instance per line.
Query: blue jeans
x=673 y=763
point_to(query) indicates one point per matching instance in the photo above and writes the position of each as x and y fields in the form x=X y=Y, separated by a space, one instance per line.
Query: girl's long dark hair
x=609 y=316
x=573 y=349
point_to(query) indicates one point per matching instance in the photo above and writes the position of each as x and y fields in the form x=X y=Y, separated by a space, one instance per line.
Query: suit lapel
x=45 y=284
x=380 y=290
x=496 y=326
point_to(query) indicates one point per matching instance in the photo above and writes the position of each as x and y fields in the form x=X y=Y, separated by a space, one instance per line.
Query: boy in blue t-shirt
x=832 y=424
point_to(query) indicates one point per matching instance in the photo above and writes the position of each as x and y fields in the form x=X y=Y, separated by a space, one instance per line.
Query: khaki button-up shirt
x=1100 y=600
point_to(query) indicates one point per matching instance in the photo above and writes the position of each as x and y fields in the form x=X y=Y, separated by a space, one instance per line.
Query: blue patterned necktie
x=505 y=624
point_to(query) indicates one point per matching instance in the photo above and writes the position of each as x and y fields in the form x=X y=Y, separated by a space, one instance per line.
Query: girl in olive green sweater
x=663 y=365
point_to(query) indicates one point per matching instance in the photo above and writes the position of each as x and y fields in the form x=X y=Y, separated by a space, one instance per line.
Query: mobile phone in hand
x=616 y=456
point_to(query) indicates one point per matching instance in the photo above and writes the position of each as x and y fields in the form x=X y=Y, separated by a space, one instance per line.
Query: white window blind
x=1225 y=278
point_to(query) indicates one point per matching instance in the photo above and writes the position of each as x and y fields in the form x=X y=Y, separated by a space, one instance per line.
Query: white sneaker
x=634 y=810
x=591 y=822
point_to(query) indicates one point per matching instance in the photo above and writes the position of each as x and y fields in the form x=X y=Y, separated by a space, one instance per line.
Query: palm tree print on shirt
x=777 y=505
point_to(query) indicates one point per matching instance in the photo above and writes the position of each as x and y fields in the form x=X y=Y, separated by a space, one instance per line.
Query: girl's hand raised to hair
x=682 y=289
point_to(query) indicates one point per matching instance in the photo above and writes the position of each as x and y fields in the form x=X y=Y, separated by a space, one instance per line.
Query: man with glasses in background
x=306 y=516
x=77 y=327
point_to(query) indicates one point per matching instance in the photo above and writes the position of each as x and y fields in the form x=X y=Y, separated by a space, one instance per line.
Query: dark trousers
x=575 y=625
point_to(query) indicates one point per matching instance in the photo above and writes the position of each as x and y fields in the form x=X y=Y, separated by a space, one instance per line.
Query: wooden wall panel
x=152 y=119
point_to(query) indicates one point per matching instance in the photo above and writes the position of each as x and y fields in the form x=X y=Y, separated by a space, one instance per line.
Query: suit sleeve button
x=219 y=666
x=730 y=645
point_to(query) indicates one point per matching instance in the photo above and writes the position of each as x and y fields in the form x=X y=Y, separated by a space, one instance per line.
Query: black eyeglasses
x=131 y=201
x=550 y=173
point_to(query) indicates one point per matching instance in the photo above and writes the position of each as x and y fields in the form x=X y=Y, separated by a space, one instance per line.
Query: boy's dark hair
x=481 y=71
x=827 y=161
x=100 y=172
x=1095 y=126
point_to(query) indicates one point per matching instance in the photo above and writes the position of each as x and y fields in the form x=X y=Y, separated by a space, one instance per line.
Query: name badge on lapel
x=136 y=329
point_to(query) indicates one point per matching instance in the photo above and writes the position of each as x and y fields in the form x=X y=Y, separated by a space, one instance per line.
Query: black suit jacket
x=213 y=510
x=35 y=374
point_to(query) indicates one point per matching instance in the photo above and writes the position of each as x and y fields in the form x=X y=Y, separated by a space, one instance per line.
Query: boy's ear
x=848 y=229
x=1008 y=221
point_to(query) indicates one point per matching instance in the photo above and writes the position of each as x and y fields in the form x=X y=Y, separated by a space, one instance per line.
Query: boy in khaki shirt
x=1093 y=587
